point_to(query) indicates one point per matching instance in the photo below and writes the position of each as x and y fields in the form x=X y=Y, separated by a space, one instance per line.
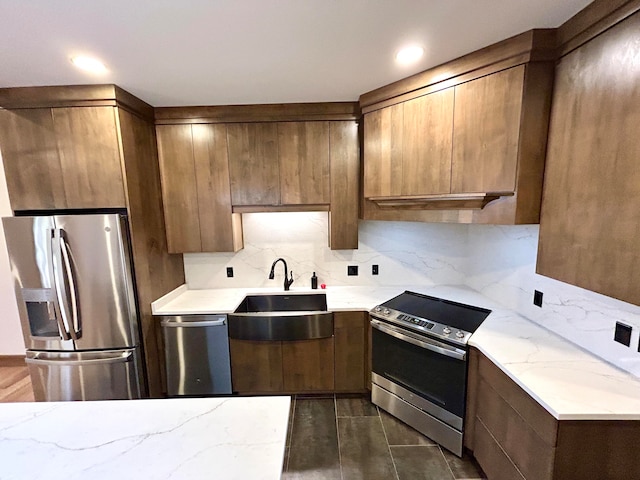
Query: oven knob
x=459 y=334
x=378 y=308
x=386 y=311
x=446 y=330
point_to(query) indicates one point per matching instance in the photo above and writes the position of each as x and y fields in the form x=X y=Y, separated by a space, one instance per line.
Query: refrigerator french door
x=75 y=290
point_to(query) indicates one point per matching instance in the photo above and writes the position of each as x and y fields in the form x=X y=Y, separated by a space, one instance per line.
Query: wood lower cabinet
x=195 y=187
x=513 y=437
x=256 y=367
x=307 y=365
x=350 y=351
x=62 y=158
x=589 y=225
x=334 y=364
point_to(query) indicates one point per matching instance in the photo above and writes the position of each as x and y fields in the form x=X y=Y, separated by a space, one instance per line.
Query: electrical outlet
x=374 y=269
x=229 y=272
x=623 y=334
x=537 y=298
x=352 y=270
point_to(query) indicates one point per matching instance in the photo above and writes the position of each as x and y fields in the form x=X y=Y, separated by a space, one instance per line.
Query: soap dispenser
x=314 y=281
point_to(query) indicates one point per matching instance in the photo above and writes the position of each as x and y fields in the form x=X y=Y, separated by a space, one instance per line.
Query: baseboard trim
x=12 y=361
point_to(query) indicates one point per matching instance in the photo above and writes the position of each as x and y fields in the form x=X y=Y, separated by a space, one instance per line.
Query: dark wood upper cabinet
x=383 y=135
x=345 y=185
x=486 y=131
x=89 y=156
x=253 y=163
x=463 y=142
x=426 y=143
x=286 y=157
x=590 y=225
x=62 y=158
x=303 y=151
x=31 y=160
x=195 y=187
x=94 y=147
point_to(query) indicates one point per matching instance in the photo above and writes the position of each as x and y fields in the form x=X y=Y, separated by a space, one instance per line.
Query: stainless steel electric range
x=419 y=363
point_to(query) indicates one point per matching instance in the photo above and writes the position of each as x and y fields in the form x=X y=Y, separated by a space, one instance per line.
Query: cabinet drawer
x=531 y=411
x=533 y=457
x=494 y=461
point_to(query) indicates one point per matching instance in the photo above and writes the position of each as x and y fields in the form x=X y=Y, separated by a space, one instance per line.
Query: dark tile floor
x=349 y=438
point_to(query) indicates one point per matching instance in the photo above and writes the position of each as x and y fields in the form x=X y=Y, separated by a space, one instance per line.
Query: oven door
x=422 y=367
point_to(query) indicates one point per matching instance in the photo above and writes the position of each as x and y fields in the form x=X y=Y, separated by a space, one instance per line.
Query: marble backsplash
x=501 y=265
x=406 y=253
x=498 y=261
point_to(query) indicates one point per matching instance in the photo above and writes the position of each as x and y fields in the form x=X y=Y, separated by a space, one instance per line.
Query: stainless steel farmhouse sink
x=281 y=317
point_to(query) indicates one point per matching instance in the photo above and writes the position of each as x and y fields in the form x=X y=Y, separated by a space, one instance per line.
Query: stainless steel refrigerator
x=75 y=289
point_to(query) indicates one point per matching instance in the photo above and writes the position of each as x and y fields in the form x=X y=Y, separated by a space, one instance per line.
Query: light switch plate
x=352 y=270
x=229 y=272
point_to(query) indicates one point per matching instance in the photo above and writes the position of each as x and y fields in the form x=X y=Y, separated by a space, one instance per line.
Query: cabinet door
x=589 y=226
x=345 y=185
x=220 y=230
x=486 y=132
x=89 y=150
x=256 y=367
x=426 y=144
x=383 y=152
x=303 y=150
x=308 y=365
x=350 y=351
x=31 y=161
x=253 y=163
x=179 y=190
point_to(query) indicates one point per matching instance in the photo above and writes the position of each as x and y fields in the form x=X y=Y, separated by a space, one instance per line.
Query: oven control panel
x=416 y=321
x=421 y=325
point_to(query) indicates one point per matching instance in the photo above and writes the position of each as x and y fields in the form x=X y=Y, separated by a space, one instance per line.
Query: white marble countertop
x=195 y=438
x=569 y=382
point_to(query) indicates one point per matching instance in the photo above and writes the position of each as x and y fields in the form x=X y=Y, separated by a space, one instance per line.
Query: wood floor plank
x=15 y=385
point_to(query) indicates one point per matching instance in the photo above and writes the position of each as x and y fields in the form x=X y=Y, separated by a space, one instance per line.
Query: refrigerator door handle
x=61 y=288
x=118 y=357
x=62 y=324
x=75 y=311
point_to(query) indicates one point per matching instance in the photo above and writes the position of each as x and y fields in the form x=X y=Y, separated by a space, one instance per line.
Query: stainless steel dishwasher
x=197 y=354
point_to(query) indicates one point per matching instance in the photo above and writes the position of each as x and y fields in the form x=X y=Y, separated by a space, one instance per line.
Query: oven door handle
x=421 y=342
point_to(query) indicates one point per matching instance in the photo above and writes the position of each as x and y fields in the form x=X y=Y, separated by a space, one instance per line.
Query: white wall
x=502 y=266
x=11 y=342
x=407 y=253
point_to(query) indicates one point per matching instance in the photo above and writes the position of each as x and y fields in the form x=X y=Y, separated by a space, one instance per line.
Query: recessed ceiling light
x=409 y=54
x=89 y=64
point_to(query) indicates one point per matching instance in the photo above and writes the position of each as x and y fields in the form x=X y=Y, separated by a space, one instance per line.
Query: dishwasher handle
x=206 y=321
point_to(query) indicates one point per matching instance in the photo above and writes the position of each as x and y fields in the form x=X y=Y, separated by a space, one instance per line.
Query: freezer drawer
x=197 y=355
x=94 y=375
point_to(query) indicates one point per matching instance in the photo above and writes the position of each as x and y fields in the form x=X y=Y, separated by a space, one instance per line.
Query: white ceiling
x=216 y=52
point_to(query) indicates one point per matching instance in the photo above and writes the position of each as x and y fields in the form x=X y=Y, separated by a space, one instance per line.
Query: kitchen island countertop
x=569 y=382
x=195 y=438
